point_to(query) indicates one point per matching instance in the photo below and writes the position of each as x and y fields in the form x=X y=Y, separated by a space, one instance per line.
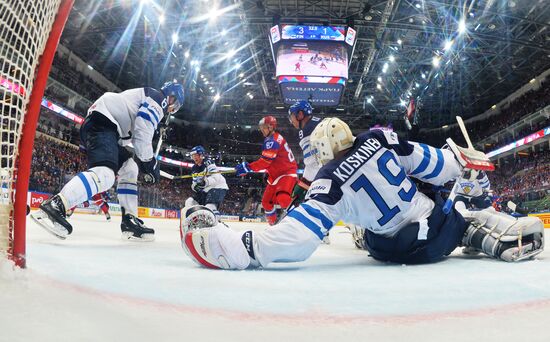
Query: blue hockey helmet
x=303 y=106
x=199 y=149
x=175 y=90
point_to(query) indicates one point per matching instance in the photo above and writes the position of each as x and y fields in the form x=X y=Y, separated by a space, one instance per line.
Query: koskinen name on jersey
x=357 y=159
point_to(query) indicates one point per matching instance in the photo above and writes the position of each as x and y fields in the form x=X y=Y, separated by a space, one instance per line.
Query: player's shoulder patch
x=391 y=137
x=320 y=186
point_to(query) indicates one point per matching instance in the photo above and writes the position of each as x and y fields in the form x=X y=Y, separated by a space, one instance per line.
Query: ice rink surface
x=96 y=287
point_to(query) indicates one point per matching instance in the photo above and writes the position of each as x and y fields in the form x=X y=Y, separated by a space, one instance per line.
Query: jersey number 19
x=362 y=182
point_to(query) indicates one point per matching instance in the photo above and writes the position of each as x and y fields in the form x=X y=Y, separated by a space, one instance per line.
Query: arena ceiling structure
x=457 y=57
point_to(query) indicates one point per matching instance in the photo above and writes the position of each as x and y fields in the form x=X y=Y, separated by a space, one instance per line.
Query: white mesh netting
x=24 y=29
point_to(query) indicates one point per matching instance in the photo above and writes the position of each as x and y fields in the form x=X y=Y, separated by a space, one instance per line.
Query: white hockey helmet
x=331 y=136
x=196 y=217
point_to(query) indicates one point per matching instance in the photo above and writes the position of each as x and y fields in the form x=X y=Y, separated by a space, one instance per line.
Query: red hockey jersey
x=277 y=158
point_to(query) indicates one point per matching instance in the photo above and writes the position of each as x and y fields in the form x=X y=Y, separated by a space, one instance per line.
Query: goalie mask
x=330 y=136
x=196 y=217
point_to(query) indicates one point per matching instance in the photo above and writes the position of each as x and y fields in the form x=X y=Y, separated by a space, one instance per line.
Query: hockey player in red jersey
x=100 y=200
x=279 y=163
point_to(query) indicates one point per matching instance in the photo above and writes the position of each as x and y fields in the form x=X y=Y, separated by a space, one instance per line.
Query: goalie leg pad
x=502 y=236
x=217 y=247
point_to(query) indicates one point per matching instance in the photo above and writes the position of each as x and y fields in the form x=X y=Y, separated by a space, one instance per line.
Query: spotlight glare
x=436 y=61
x=224 y=32
x=174 y=38
x=462 y=26
x=399 y=41
x=379 y=79
x=403 y=103
x=369 y=100
x=241 y=75
x=378 y=86
x=231 y=53
x=216 y=97
x=448 y=45
x=186 y=54
x=161 y=18
x=392 y=59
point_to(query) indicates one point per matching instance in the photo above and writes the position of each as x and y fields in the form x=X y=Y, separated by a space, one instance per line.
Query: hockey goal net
x=29 y=33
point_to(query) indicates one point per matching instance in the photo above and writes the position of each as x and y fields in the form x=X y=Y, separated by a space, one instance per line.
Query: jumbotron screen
x=312 y=58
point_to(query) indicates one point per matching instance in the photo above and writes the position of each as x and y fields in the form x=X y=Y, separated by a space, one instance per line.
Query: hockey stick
x=199 y=174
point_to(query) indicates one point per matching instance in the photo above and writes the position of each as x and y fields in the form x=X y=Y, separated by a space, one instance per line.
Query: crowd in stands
x=528 y=103
x=523 y=178
x=65 y=72
x=55 y=162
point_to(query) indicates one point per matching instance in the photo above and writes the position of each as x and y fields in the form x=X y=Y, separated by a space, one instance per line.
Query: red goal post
x=29 y=34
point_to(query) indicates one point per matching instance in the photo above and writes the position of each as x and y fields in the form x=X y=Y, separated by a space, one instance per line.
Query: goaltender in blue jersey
x=365 y=181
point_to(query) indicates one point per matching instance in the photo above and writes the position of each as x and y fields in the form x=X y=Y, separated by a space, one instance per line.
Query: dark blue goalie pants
x=444 y=235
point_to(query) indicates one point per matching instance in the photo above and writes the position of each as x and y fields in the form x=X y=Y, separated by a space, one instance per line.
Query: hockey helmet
x=175 y=90
x=199 y=149
x=303 y=106
x=268 y=121
x=331 y=136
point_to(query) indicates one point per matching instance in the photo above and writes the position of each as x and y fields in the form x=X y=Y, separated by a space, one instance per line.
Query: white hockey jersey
x=213 y=180
x=136 y=113
x=311 y=166
x=370 y=185
x=474 y=187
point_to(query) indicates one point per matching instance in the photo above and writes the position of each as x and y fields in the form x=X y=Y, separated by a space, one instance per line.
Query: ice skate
x=52 y=217
x=108 y=216
x=134 y=229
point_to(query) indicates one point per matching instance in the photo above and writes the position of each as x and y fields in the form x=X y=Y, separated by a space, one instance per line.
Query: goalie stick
x=469 y=158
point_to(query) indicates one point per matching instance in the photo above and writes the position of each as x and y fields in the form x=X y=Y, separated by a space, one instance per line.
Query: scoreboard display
x=312 y=61
x=303 y=32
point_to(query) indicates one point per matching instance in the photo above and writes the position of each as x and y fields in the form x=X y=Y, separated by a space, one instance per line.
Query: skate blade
x=42 y=219
x=527 y=255
x=144 y=237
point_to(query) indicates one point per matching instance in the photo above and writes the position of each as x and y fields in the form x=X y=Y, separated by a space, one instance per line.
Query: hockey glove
x=198 y=185
x=242 y=169
x=150 y=170
x=299 y=191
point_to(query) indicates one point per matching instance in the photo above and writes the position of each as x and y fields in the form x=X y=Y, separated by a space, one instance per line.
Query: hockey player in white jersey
x=301 y=117
x=473 y=191
x=113 y=122
x=209 y=185
x=365 y=181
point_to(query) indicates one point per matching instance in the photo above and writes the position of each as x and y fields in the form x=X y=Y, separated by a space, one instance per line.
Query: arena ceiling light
x=435 y=61
x=369 y=99
x=231 y=53
x=399 y=41
x=448 y=45
x=462 y=26
x=186 y=54
x=174 y=38
x=217 y=97
x=161 y=18
x=379 y=79
x=392 y=58
x=378 y=86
